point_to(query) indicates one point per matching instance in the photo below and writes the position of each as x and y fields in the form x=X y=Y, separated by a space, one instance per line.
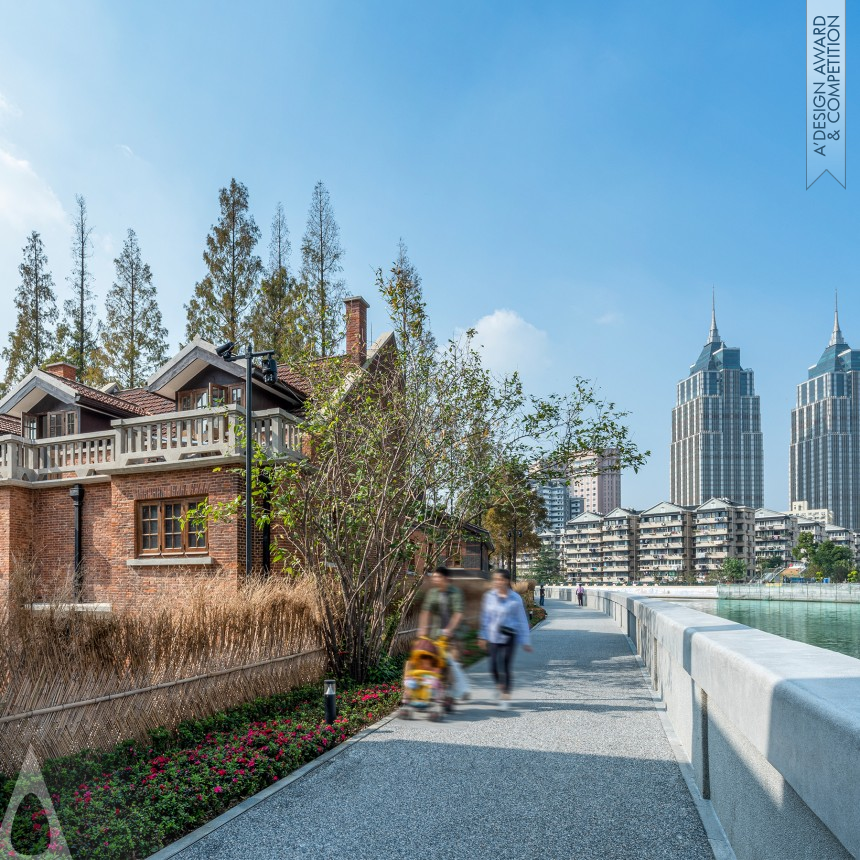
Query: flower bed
x=129 y=802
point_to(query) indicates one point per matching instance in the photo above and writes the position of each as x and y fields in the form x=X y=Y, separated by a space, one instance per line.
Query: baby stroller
x=425 y=680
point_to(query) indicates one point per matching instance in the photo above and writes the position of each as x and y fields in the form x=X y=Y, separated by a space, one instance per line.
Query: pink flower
x=218 y=789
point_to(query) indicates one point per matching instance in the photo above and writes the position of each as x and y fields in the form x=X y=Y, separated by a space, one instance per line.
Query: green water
x=828 y=625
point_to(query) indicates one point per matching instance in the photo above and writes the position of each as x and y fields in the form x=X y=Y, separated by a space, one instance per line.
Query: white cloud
x=127 y=151
x=509 y=343
x=8 y=108
x=27 y=202
x=610 y=318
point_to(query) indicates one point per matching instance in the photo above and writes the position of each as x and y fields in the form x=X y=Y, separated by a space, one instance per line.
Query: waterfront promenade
x=579 y=767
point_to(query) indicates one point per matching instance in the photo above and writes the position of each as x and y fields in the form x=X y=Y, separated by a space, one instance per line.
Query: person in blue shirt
x=504 y=625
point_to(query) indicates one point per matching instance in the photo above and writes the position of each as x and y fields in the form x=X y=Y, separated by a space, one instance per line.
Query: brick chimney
x=356 y=328
x=63 y=369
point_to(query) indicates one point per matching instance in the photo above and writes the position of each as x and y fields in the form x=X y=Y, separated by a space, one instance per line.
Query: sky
x=571 y=179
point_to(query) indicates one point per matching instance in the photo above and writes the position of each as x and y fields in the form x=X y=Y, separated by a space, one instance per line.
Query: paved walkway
x=580 y=767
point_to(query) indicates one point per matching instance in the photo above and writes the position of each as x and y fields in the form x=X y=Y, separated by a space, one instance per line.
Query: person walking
x=580 y=594
x=441 y=614
x=504 y=625
x=542 y=591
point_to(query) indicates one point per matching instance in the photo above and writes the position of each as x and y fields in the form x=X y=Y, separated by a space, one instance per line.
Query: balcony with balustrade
x=173 y=437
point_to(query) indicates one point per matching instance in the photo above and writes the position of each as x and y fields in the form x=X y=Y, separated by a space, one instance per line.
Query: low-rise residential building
x=666 y=541
x=839 y=536
x=620 y=544
x=802 y=509
x=581 y=546
x=723 y=530
x=776 y=536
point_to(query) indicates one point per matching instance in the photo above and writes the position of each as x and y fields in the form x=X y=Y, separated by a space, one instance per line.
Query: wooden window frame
x=160 y=551
x=217 y=394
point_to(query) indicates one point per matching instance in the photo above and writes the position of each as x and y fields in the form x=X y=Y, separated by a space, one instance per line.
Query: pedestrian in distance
x=504 y=625
x=441 y=614
x=580 y=594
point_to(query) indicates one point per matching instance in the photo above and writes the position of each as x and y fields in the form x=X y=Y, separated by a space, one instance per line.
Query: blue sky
x=571 y=177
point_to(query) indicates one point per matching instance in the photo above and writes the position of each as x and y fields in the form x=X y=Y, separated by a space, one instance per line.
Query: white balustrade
x=165 y=438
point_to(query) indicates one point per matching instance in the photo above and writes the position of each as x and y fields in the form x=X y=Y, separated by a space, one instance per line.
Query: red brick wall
x=38 y=523
x=16 y=530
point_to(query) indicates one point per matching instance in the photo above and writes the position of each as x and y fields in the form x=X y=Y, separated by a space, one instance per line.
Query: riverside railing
x=769 y=726
x=166 y=438
x=817 y=592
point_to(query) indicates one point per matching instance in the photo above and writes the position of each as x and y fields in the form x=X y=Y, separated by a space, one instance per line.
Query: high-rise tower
x=824 y=467
x=716 y=430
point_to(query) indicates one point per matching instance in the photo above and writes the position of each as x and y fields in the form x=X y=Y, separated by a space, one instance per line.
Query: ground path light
x=330 y=698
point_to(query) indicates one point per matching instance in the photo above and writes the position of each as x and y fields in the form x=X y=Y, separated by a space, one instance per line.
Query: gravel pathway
x=579 y=767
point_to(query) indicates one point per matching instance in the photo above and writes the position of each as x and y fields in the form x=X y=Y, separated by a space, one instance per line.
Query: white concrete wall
x=771 y=726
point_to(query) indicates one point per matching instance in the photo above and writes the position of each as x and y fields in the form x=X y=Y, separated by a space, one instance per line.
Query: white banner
x=825 y=90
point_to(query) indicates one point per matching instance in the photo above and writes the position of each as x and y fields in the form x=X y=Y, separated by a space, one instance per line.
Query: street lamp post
x=270 y=374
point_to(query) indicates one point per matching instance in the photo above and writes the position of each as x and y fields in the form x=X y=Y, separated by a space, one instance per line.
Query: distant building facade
x=666 y=541
x=723 y=530
x=555 y=495
x=620 y=544
x=596 y=479
x=716 y=449
x=824 y=465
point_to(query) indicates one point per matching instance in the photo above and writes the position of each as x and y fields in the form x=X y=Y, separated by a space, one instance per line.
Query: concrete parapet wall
x=771 y=726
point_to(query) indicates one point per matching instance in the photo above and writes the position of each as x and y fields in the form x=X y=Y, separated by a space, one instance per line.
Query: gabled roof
x=718 y=504
x=617 y=513
x=768 y=514
x=667 y=508
x=38 y=383
x=199 y=354
x=587 y=517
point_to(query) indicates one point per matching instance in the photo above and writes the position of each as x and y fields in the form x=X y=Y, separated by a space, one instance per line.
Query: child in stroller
x=425 y=680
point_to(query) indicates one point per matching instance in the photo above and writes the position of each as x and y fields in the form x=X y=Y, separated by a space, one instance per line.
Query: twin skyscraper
x=717 y=441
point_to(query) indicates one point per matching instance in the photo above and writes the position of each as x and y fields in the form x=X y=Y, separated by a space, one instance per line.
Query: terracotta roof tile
x=293 y=379
x=153 y=403
x=100 y=397
x=10 y=424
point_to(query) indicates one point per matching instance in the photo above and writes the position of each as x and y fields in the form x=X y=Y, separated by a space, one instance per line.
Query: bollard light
x=330 y=698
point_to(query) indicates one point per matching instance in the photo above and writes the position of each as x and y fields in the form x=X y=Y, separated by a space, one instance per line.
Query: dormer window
x=212 y=395
x=49 y=425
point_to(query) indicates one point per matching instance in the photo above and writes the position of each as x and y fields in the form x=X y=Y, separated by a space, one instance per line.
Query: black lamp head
x=270 y=370
x=225 y=349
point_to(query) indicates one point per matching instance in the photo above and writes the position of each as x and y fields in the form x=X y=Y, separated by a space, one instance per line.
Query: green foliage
x=832 y=561
x=130 y=801
x=734 y=570
x=825 y=559
x=321 y=321
x=805 y=547
x=218 y=310
x=547 y=567
x=32 y=343
x=134 y=340
x=274 y=319
x=853 y=576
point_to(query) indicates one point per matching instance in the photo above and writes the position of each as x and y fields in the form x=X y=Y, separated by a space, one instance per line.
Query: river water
x=828 y=625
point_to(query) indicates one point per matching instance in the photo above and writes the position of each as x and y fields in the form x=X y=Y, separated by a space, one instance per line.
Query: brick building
x=99 y=481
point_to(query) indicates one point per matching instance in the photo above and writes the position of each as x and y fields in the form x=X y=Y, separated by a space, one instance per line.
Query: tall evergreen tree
x=218 y=310
x=33 y=341
x=274 y=317
x=134 y=340
x=323 y=291
x=78 y=333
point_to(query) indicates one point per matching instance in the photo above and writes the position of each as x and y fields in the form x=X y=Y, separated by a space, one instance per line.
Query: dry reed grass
x=156 y=664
